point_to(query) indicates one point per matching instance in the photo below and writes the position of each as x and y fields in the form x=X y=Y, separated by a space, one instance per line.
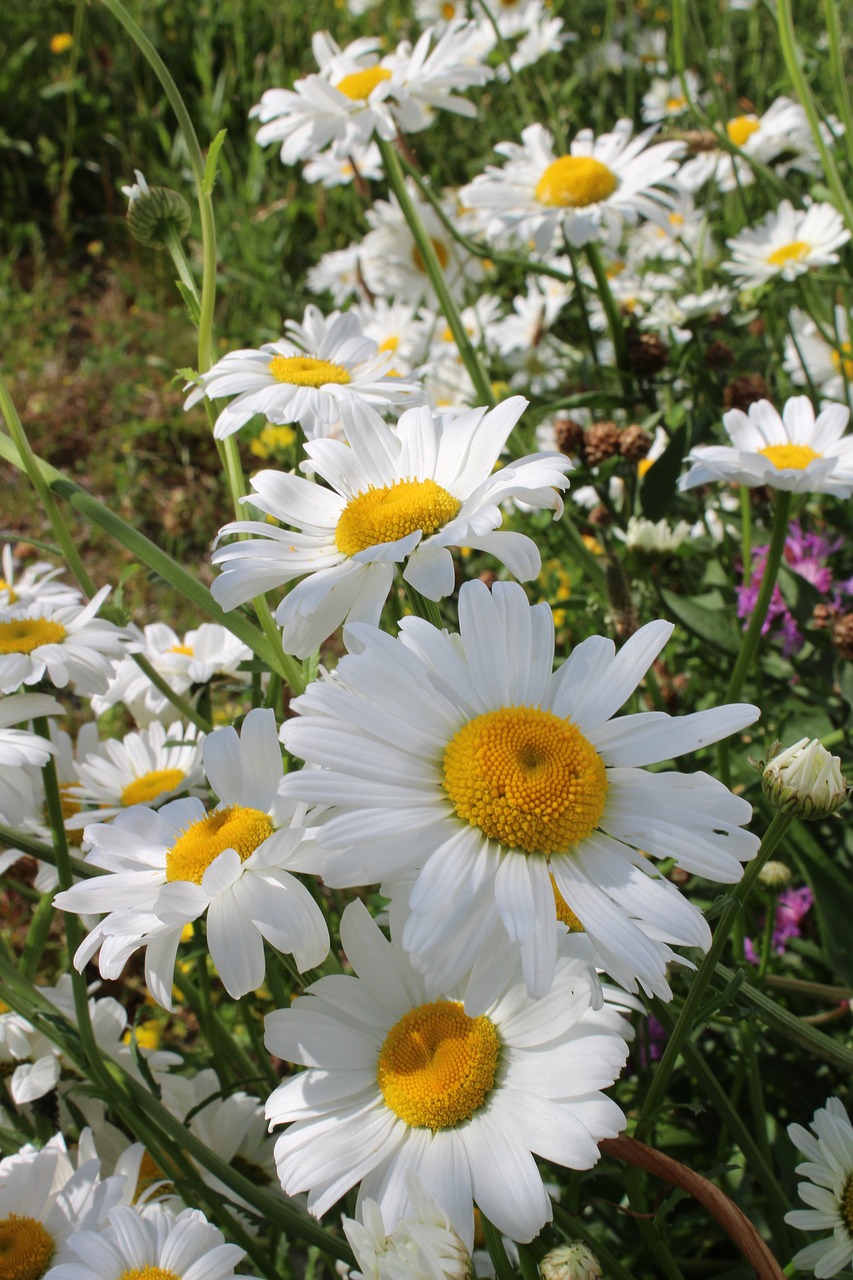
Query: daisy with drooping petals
x=401 y=1082
x=811 y=358
x=63 y=643
x=796 y=451
x=787 y=243
x=829 y=1191
x=587 y=194
x=149 y=767
x=33 y=584
x=422 y=1247
x=21 y=751
x=326 y=362
x=397 y=496
x=500 y=782
x=171 y=866
x=151 y=1244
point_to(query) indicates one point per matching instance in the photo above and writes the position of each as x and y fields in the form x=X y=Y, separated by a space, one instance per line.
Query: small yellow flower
x=273 y=439
x=147 y=1034
x=61 y=42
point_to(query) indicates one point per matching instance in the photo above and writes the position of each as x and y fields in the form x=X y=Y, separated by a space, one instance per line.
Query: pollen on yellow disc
x=676 y=104
x=151 y=785
x=361 y=84
x=26 y=1248
x=186 y=649
x=526 y=778
x=440 y=252
x=11 y=596
x=790 y=457
x=573 y=182
x=22 y=635
x=794 y=251
x=149 y=1173
x=231 y=828
x=306 y=371
x=564 y=912
x=149 y=1273
x=437 y=1065
x=842 y=360
x=390 y=344
x=741 y=128
x=392 y=512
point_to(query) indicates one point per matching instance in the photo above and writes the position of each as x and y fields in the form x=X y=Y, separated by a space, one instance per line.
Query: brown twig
x=735 y=1223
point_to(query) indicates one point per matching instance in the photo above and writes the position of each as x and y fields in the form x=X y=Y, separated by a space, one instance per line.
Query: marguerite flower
x=795 y=451
x=586 y=194
x=397 y=496
x=33 y=584
x=422 y=1247
x=399 y=1082
x=150 y=1244
x=149 y=767
x=63 y=643
x=829 y=1191
x=500 y=782
x=787 y=243
x=327 y=362
x=171 y=866
x=21 y=751
x=811 y=358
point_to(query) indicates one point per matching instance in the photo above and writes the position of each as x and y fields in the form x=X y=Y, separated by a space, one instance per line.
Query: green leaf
x=658 y=486
x=212 y=161
x=707 y=616
x=833 y=896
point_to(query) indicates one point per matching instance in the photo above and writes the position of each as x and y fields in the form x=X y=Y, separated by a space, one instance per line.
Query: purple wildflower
x=792 y=906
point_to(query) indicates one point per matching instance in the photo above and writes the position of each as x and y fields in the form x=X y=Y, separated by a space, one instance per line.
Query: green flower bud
x=805 y=780
x=154 y=212
x=570 y=1262
x=774 y=875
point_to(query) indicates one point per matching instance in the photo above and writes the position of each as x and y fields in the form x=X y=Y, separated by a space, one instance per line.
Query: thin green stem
x=746 y=534
x=422 y=607
x=181 y=705
x=504 y=1269
x=447 y=305
x=699 y=985
x=68 y=162
x=611 y=311
x=37 y=936
x=12 y=839
x=527 y=111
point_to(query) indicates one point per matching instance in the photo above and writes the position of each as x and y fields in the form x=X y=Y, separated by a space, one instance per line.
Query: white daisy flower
x=829 y=1191
x=33 y=584
x=540 y=34
x=533 y=314
x=339 y=273
x=505 y=775
x=355 y=97
x=62 y=643
x=393 y=265
x=28 y=1060
x=150 y=1244
x=397 y=496
x=398 y=1081
x=422 y=1247
x=392 y=327
x=664 y=99
x=809 y=357
x=285 y=383
x=586 y=194
x=171 y=866
x=44 y=1200
x=183 y=661
x=787 y=243
x=22 y=751
x=148 y=767
x=332 y=170
x=796 y=451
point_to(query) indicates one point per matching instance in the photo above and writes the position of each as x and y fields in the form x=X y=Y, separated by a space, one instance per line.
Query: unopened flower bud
x=774 y=875
x=156 y=212
x=570 y=1262
x=805 y=780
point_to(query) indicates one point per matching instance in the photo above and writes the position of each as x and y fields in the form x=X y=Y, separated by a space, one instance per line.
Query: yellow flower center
x=149 y=1173
x=392 y=512
x=25 y=634
x=151 y=785
x=526 y=778
x=306 y=371
x=185 y=649
x=847 y=1204
x=791 y=457
x=437 y=1065
x=231 y=828
x=676 y=104
x=741 y=128
x=69 y=803
x=360 y=84
x=441 y=252
x=676 y=219
x=793 y=252
x=842 y=360
x=390 y=344
x=11 y=596
x=644 y=465
x=448 y=11
x=573 y=182
x=149 y=1273
x=564 y=912
x=26 y=1248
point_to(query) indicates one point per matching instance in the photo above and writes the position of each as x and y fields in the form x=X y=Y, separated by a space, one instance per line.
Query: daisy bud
x=154 y=212
x=805 y=780
x=570 y=1262
x=774 y=875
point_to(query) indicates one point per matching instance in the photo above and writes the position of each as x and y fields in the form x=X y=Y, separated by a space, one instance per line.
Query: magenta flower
x=792 y=907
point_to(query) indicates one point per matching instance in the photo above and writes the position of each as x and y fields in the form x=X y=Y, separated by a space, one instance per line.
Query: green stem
x=37 y=936
x=699 y=985
x=68 y=162
x=12 y=839
x=793 y=65
x=181 y=705
x=577 y=1229
x=504 y=1269
x=423 y=608
x=611 y=311
x=527 y=112
x=836 y=65
x=789 y=1025
x=746 y=534
x=446 y=303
